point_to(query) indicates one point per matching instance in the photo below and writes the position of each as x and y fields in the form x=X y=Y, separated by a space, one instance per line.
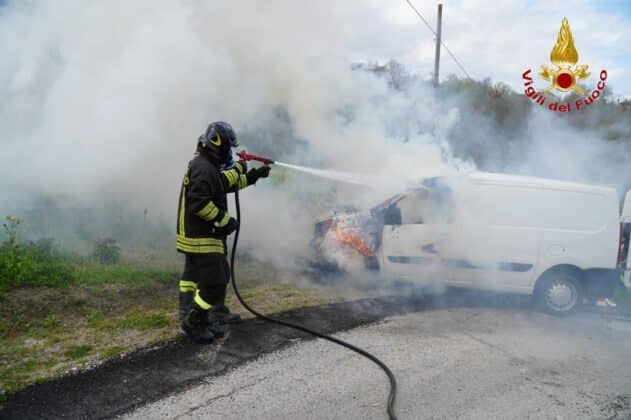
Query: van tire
x=559 y=294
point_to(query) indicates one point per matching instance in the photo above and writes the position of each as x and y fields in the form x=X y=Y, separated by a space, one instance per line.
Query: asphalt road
x=466 y=363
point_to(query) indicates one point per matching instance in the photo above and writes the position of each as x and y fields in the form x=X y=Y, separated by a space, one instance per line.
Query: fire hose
x=393 y=383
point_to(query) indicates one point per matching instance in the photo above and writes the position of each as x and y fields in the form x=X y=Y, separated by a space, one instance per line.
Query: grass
x=136 y=320
x=31 y=265
x=77 y=351
x=110 y=310
x=93 y=274
x=15 y=376
x=42 y=264
x=112 y=352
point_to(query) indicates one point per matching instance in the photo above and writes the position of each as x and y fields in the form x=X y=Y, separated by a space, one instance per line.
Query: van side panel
x=492 y=247
x=588 y=238
x=522 y=230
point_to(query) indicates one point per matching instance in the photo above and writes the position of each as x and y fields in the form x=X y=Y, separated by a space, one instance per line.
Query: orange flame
x=352 y=239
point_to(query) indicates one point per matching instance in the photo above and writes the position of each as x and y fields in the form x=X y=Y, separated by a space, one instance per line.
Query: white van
x=558 y=241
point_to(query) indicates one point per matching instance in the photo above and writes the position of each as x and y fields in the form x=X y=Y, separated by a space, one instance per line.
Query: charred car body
x=557 y=241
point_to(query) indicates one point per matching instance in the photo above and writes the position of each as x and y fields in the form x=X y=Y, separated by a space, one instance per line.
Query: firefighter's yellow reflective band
x=200 y=245
x=232 y=175
x=209 y=212
x=181 y=230
x=200 y=249
x=243 y=181
x=187 y=283
x=201 y=302
x=240 y=167
x=187 y=286
x=224 y=220
x=199 y=241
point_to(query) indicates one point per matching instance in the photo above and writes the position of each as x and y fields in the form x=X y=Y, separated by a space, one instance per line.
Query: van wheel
x=559 y=294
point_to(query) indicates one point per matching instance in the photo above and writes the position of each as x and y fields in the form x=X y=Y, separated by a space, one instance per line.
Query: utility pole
x=439 y=25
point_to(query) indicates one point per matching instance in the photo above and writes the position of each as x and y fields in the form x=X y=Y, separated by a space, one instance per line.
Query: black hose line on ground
x=393 y=382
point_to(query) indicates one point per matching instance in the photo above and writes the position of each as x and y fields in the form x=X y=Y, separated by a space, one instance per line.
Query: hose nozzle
x=243 y=155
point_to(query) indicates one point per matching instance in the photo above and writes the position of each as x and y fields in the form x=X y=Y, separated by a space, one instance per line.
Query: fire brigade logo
x=564 y=75
x=564 y=56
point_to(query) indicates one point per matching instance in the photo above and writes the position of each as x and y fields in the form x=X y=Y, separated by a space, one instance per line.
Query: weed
x=47 y=328
x=11 y=229
x=16 y=351
x=134 y=320
x=31 y=264
x=77 y=351
x=123 y=273
x=111 y=352
x=16 y=376
x=74 y=301
x=142 y=321
x=17 y=322
x=107 y=251
x=95 y=318
x=51 y=322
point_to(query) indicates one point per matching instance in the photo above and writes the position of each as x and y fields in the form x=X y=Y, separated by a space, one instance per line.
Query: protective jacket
x=203 y=205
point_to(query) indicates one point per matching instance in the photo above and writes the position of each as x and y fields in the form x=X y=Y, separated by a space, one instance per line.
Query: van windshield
x=417 y=206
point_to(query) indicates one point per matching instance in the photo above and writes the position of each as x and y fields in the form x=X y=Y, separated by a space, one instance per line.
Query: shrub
x=31 y=264
x=11 y=229
x=106 y=251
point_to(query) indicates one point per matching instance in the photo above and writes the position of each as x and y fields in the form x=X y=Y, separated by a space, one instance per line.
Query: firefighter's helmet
x=218 y=140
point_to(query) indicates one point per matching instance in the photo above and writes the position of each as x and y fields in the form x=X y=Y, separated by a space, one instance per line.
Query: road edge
x=120 y=385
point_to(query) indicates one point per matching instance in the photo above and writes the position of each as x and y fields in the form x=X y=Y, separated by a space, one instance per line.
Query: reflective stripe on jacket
x=203 y=205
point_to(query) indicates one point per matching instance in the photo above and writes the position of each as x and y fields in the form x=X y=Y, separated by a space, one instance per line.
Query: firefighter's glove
x=228 y=228
x=255 y=174
x=263 y=171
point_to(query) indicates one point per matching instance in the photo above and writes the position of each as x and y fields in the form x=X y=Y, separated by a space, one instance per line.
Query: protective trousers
x=204 y=280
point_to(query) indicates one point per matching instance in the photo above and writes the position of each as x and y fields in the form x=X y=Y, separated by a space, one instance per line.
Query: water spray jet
x=365 y=181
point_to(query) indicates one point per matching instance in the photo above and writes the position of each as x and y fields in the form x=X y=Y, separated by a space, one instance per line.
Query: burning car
x=557 y=241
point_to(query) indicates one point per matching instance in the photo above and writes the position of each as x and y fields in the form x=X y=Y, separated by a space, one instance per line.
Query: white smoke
x=111 y=96
x=103 y=101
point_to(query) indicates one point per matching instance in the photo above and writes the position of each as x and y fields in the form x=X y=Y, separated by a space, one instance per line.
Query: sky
x=502 y=39
x=498 y=40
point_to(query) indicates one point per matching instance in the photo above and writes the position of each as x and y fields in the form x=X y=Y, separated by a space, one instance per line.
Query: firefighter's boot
x=216 y=329
x=220 y=315
x=187 y=294
x=186 y=301
x=195 y=325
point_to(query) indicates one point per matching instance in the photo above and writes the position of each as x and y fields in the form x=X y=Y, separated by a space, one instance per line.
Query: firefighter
x=203 y=225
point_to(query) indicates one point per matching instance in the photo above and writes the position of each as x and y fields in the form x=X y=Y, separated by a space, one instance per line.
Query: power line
x=435 y=34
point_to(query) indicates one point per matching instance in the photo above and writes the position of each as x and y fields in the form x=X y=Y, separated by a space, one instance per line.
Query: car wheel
x=559 y=294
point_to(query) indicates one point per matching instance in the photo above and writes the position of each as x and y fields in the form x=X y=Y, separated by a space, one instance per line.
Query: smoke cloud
x=103 y=103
